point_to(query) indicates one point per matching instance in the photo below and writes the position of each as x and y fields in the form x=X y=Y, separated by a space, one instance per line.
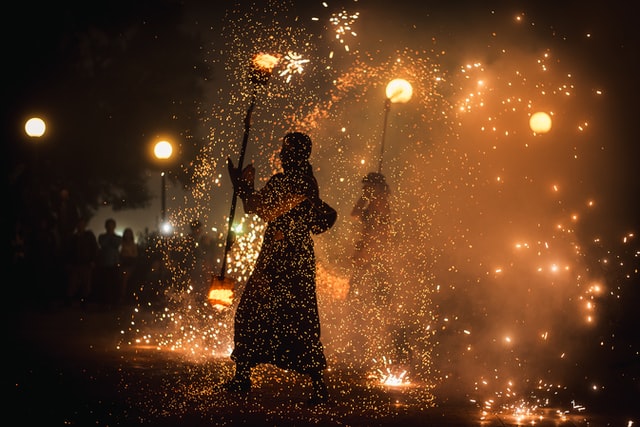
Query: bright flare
x=540 y=122
x=399 y=90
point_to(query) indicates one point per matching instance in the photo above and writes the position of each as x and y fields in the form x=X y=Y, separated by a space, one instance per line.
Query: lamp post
x=163 y=151
x=35 y=128
x=398 y=90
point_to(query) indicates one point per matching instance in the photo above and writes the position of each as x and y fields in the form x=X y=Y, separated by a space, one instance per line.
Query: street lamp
x=35 y=127
x=163 y=150
x=397 y=91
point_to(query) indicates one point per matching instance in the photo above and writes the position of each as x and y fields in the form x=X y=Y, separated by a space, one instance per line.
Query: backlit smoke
x=501 y=273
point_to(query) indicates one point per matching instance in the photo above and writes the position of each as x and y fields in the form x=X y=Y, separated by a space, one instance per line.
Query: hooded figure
x=277 y=320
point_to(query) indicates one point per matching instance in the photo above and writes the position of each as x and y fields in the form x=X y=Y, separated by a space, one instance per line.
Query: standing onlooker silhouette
x=277 y=319
x=109 y=263
x=66 y=214
x=81 y=256
x=128 y=264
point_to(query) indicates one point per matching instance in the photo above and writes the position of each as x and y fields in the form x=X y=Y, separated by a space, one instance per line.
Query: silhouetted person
x=370 y=280
x=277 y=320
x=66 y=214
x=81 y=257
x=370 y=284
x=109 y=263
x=128 y=264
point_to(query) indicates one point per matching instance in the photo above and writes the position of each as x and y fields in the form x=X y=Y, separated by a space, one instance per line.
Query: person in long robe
x=277 y=320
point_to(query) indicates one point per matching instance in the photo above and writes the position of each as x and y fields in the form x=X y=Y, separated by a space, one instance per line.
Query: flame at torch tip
x=262 y=67
x=265 y=62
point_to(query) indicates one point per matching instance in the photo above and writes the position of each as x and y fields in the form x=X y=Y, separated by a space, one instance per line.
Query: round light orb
x=399 y=90
x=166 y=228
x=540 y=122
x=163 y=149
x=35 y=127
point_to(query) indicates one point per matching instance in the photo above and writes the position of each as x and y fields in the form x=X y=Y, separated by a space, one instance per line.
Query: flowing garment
x=277 y=319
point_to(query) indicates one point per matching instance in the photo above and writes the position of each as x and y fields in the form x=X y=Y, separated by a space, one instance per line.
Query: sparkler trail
x=499 y=285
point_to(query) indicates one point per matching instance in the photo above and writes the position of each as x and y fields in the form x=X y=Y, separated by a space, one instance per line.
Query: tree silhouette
x=108 y=77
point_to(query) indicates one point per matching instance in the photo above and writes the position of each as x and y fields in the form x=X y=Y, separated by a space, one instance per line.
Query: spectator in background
x=81 y=256
x=128 y=264
x=108 y=269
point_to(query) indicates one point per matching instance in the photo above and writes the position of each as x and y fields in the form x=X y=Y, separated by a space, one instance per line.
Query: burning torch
x=221 y=290
x=397 y=90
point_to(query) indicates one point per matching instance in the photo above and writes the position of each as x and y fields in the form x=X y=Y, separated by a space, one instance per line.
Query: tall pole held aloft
x=387 y=107
x=397 y=90
x=234 y=197
x=262 y=67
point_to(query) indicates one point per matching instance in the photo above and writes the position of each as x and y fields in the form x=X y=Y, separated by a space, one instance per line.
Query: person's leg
x=320 y=393
x=241 y=381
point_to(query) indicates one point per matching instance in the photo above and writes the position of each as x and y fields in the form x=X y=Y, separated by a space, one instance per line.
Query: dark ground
x=66 y=370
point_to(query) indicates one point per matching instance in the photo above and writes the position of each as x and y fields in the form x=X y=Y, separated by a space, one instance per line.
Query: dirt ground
x=66 y=369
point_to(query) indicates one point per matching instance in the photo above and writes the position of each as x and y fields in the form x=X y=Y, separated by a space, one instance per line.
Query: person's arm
x=269 y=208
x=274 y=199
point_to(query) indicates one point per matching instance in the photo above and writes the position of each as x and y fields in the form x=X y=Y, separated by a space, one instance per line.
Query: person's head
x=296 y=149
x=127 y=234
x=110 y=225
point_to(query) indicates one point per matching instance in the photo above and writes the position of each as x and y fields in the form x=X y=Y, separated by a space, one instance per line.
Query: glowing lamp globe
x=540 y=122
x=221 y=292
x=35 y=127
x=399 y=90
x=163 y=150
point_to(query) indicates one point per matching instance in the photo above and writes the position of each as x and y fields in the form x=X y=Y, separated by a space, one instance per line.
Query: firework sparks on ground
x=390 y=374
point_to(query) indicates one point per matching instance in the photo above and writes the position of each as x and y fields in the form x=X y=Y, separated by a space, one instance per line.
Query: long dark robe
x=277 y=318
